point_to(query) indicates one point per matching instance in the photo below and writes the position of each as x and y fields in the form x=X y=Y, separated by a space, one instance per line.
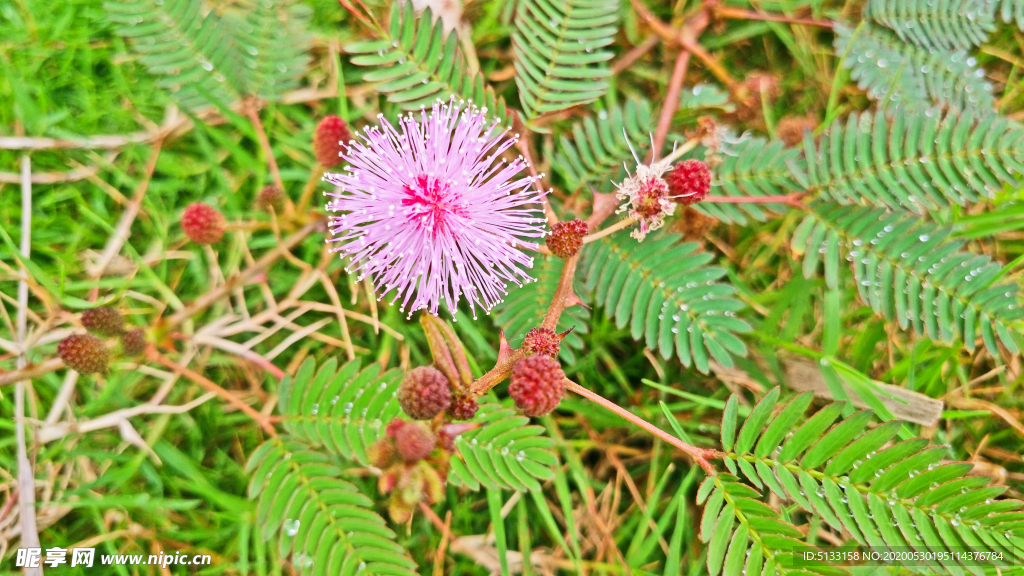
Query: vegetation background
x=111 y=129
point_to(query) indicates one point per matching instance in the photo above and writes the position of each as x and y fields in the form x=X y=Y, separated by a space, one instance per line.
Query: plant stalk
x=700 y=455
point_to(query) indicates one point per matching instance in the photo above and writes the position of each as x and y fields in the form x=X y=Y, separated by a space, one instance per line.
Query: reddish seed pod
x=541 y=341
x=537 y=385
x=566 y=238
x=382 y=453
x=689 y=182
x=414 y=441
x=270 y=197
x=424 y=393
x=463 y=407
x=133 y=342
x=330 y=140
x=202 y=223
x=103 y=321
x=84 y=353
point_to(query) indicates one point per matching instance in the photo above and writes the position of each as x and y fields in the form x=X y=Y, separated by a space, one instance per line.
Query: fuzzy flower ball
x=133 y=342
x=689 y=181
x=84 y=353
x=567 y=238
x=537 y=385
x=430 y=212
x=414 y=441
x=463 y=407
x=542 y=341
x=270 y=197
x=202 y=223
x=330 y=139
x=104 y=321
x=424 y=393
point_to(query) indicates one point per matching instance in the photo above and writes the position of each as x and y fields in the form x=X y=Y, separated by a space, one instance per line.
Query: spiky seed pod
x=537 y=385
x=566 y=238
x=84 y=353
x=103 y=321
x=330 y=140
x=424 y=393
x=689 y=182
x=414 y=441
x=202 y=223
x=463 y=407
x=133 y=342
x=270 y=197
x=541 y=341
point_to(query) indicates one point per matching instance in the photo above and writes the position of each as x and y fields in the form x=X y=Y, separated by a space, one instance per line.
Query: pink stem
x=789 y=199
x=699 y=455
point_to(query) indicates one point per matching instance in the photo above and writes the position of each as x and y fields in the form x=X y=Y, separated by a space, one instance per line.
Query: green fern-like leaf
x=916 y=162
x=668 y=296
x=947 y=25
x=897 y=496
x=913 y=272
x=273 y=45
x=1011 y=11
x=746 y=536
x=751 y=167
x=505 y=452
x=343 y=410
x=194 y=52
x=910 y=76
x=524 y=309
x=323 y=522
x=558 y=52
x=259 y=49
x=415 y=64
x=593 y=152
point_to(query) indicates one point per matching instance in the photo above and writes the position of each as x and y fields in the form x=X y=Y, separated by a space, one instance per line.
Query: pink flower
x=647 y=198
x=429 y=211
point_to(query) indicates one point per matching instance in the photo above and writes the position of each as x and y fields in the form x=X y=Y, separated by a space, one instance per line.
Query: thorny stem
x=686 y=39
x=713 y=65
x=264 y=420
x=124 y=225
x=564 y=295
x=789 y=199
x=699 y=455
x=633 y=55
x=502 y=369
x=668 y=110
